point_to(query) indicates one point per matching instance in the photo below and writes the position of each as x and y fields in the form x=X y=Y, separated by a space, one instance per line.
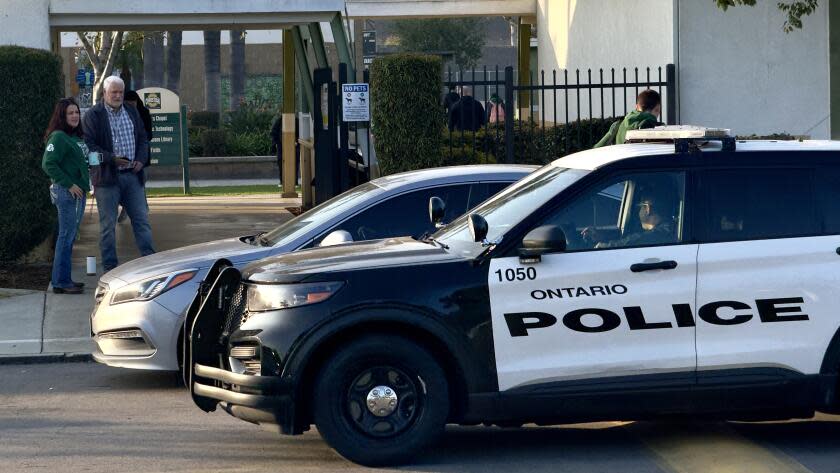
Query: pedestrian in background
x=495 y=109
x=648 y=108
x=116 y=132
x=133 y=99
x=66 y=162
x=467 y=114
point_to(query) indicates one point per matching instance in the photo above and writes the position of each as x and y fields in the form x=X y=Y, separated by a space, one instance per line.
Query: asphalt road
x=84 y=417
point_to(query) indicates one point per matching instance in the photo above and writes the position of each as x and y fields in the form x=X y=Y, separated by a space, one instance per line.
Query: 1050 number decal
x=518 y=274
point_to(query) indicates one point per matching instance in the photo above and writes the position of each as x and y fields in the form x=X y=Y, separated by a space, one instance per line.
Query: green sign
x=164 y=105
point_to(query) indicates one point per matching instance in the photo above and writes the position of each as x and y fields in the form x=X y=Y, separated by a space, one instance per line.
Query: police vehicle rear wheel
x=381 y=400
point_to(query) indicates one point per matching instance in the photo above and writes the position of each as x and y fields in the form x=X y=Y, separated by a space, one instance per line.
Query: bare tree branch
x=90 y=50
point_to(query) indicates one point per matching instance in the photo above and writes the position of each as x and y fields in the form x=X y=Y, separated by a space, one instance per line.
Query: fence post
x=671 y=87
x=509 y=115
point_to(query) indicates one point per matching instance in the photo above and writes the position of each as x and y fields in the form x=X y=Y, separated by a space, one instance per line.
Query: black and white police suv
x=689 y=274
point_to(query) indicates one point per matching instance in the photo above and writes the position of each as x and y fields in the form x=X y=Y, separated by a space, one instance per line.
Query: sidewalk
x=42 y=325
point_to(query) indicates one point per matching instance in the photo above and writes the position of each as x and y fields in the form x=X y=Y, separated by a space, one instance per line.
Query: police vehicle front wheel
x=380 y=400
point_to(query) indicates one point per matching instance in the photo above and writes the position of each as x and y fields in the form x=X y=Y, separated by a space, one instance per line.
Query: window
x=406 y=214
x=633 y=210
x=751 y=204
x=829 y=192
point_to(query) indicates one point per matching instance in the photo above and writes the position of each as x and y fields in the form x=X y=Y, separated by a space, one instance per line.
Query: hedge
x=30 y=85
x=533 y=144
x=405 y=111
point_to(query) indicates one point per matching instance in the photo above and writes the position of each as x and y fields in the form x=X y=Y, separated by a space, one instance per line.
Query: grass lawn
x=214 y=190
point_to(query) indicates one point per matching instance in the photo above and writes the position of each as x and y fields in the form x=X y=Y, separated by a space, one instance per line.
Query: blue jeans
x=130 y=194
x=70 y=211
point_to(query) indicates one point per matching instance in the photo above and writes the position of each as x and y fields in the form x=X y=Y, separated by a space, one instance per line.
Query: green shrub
x=405 y=111
x=30 y=85
x=248 y=144
x=533 y=144
x=250 y=119
x=205 y=119
x=214 y=143
x=194 y=135
x=772 y=136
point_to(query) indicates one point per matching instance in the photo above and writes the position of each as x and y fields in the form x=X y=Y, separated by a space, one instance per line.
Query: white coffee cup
x=91 y=265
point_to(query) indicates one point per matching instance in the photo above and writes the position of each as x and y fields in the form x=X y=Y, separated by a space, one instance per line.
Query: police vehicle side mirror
x=478 y=227
x=336 y=237
x=540 y=241
x=437 y=207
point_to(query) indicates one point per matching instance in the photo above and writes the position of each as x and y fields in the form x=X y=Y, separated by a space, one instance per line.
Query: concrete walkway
x=42 y=325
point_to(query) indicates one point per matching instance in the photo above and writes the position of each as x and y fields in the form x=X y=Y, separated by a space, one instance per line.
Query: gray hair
x=110 y=80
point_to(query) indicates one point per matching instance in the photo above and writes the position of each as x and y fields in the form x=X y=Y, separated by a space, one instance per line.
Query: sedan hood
x=297 y=266
x=197 y=256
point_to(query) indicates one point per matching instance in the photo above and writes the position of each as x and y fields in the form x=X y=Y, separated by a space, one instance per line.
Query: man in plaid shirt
x=117 y=133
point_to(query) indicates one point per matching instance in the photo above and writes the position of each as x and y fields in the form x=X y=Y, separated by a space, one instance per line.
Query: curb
x=44 y=358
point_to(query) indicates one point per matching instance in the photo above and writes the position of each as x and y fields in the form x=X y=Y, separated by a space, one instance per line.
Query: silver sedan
x=140 y=306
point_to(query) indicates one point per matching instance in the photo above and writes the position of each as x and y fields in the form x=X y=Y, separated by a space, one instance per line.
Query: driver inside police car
x=656 y=224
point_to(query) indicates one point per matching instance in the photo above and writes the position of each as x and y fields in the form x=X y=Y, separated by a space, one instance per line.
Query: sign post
x=169 y=146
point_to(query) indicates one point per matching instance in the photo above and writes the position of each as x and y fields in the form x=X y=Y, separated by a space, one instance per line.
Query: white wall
x=25 y=23
x=583 y=34
x=739 y=70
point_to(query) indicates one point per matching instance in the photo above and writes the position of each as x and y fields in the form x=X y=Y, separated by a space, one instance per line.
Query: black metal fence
x=549 y=116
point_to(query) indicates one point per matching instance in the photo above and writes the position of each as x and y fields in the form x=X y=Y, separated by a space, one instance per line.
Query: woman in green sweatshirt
x=66 y=162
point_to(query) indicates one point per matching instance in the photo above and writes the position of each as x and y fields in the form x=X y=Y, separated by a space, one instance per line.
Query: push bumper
x=264 y=400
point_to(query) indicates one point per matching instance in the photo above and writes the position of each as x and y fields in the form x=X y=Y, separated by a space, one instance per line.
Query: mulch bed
x=25 y=276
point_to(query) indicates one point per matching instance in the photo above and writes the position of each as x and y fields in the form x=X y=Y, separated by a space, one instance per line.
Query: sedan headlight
x=262 y=297
x=150 y=288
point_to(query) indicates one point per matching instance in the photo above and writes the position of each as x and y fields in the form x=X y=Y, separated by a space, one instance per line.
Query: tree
x=212 y=71
x=461 y=37
x=153 y=59
x=173 y=60
x=794 y=10
x=237 y=68
x=130 y=60
x=101 y=48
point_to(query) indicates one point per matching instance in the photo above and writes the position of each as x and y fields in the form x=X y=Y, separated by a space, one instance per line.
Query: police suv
x=684 y=274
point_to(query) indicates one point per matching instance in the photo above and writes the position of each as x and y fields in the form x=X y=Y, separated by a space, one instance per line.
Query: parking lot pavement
x=43 y=324
x=90 y=417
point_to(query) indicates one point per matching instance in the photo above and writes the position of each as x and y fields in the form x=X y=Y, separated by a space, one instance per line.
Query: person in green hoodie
x=648 y=108
x=66 y=162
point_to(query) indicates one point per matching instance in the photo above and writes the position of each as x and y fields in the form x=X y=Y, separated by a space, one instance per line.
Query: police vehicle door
x=766 y=289
x=616 y=303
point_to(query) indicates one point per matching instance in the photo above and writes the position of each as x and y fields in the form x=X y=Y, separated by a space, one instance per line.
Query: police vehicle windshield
x=509 y=207
x=333 y=208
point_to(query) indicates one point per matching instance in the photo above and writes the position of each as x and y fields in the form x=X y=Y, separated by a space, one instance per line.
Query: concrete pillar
x=26 y=23
x=289 y=158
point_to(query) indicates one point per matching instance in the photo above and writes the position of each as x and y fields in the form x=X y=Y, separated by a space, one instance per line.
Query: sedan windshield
x=509 y=207
x=329 y=210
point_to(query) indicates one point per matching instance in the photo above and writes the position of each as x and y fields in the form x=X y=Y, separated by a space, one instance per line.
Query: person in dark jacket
x=467 y=114
x=450 y=99
x=117 y=133
x=66 y=162
x=648 y=108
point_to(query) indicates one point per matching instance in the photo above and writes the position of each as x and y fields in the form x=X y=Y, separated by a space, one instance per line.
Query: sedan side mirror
x=336 y=237
x=437 y=207
x=541 y=240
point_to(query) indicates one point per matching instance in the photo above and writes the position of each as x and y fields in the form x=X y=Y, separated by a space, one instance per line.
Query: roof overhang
x=439 y=8
x=174 y=15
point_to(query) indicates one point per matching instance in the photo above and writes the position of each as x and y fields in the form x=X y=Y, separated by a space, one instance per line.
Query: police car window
x=829 y=195
x=506 y=209
x=748 y=204
x=338 y=205
x=634 y=210
x=406 y=214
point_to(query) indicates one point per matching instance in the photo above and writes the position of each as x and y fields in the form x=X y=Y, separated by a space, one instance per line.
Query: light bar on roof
x=675 y=132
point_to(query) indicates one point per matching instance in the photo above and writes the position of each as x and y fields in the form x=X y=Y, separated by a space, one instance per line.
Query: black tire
x=354 y=431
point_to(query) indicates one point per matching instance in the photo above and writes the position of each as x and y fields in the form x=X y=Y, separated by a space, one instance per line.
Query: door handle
x=639 y=267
